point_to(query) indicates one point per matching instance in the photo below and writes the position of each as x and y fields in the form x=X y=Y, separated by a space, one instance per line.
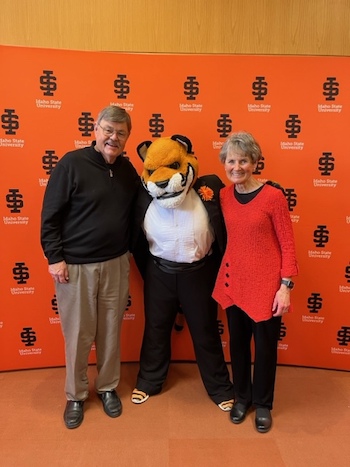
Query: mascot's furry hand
x=170 y=169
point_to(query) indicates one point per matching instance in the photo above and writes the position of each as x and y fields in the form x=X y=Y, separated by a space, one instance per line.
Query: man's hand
x=59 y=272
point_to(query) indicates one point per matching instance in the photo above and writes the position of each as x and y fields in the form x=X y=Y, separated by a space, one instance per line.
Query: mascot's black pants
x=192 y=289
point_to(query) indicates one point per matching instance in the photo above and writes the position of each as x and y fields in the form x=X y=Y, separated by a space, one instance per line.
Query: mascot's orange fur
x=169 y=171
x=178 y=242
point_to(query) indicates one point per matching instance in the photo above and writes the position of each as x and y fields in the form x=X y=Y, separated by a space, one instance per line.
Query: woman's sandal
x=226 y=406
x=139 y=397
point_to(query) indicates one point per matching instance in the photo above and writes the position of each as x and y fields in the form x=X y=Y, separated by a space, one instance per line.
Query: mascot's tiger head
x=169 y=169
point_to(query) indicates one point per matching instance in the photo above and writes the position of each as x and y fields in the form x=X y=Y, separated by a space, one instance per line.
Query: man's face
x=111 y=138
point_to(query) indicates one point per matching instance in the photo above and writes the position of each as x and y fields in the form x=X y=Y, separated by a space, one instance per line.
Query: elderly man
x=85 y=237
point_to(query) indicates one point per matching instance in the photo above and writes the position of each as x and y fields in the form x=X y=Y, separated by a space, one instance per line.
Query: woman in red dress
x=254 y=280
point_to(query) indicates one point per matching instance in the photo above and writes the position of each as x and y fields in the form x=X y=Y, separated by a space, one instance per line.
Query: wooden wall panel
x=308 y=27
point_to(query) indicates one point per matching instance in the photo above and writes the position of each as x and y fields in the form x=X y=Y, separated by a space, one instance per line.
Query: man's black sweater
x=87 y=208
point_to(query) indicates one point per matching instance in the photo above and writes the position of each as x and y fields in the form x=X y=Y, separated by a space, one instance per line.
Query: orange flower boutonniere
x=206 y=193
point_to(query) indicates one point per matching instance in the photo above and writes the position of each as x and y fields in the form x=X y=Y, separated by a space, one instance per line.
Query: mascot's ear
x=184 y=141
x=142 y=149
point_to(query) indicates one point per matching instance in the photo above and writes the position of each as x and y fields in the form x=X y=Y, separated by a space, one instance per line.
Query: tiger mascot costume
x=178 y=242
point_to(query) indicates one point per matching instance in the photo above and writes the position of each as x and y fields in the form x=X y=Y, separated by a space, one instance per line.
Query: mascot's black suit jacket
x=139 y=243
x=192 y=288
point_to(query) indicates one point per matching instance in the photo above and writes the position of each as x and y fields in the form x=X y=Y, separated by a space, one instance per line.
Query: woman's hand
x=281 y=302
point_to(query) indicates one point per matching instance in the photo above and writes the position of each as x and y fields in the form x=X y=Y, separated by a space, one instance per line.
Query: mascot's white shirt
x=183 y=234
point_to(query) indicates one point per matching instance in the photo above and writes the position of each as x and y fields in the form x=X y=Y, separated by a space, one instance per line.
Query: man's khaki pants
x=91 y=308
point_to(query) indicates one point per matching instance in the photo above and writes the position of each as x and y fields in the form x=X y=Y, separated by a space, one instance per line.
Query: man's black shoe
x=111 y=403
x=74 y=414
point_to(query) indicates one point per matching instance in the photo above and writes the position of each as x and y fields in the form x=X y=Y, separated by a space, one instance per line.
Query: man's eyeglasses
x=108 y=131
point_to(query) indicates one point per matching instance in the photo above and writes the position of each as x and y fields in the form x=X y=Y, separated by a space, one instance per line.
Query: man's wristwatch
x=288 y=283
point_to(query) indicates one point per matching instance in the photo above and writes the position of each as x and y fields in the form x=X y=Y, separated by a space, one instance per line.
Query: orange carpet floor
x=181 y=427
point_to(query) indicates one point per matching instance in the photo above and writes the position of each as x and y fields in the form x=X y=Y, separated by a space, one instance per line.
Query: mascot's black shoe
x=111 y=403
x=74 y=414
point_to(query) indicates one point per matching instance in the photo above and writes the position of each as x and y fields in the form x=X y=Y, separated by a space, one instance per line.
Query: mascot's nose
x=162 y=184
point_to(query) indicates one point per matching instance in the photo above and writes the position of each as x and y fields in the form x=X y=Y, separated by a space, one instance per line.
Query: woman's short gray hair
x=114 y=113
x=244 y=142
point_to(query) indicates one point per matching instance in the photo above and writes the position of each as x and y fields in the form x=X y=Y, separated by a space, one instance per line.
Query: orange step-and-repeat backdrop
x=297 y=107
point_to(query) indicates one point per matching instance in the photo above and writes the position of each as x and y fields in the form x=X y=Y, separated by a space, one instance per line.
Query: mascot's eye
x=150 y=172
x=174 y=165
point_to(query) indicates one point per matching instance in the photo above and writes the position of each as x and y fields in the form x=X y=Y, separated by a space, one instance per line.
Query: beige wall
x=311 y=27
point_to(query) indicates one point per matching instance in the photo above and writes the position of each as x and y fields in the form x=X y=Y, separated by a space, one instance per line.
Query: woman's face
x=239 y=167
